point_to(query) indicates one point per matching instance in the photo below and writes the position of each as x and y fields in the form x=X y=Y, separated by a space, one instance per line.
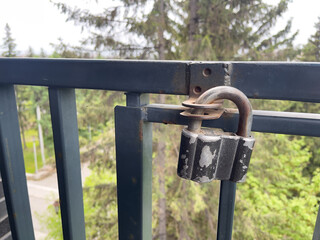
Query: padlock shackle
x=232 y=94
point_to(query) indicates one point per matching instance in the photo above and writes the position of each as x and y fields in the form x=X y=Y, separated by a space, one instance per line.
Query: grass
x=28 y=152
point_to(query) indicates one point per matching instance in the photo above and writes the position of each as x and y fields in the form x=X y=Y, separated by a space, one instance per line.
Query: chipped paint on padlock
x=206 y=152
x=187 y=151
x=243 y=156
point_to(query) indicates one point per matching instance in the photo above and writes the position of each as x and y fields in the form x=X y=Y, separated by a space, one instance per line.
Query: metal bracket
x=204 y=76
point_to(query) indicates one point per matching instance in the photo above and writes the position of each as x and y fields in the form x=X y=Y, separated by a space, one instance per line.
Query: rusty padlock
x=212 y=154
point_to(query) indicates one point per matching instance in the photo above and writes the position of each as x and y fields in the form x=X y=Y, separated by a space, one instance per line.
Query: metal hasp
x=211 y=154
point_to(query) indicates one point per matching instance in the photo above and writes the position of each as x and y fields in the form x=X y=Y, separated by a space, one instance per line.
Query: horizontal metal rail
x=306 y=124
x=128 y=76
x=261 y=80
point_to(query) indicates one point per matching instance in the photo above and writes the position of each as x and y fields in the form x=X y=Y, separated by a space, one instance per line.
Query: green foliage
x=235 y=30
x=28 y=98
x=100 y=213
x=277 y=201
x=62 y=50
x=311 y=51
x=99 y=192
x=170 y=29
x=52 y=222
x=28 y=154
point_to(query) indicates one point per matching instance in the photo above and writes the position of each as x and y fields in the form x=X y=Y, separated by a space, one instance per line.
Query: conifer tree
x=9 y=45
x=193 y=29
x=42 y=53
x=311 y=51
x=30 y=52
x=233 y=30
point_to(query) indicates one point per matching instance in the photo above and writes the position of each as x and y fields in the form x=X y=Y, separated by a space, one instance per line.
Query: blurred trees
x=233 y=30
x=280 y=197
x=193 y=29
x=206 y=30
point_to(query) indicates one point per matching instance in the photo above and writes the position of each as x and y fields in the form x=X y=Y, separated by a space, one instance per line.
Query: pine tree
x=144 y=30
x=9 y=46
x=8 y=43
x=311 y=51
x=42 y=53
x=30 y=52
x=233 y=30
x=193 y=29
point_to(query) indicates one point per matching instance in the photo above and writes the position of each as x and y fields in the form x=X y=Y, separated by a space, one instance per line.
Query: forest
x=281 y=195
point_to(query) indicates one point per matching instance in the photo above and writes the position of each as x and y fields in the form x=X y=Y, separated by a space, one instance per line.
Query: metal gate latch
x=212 y=154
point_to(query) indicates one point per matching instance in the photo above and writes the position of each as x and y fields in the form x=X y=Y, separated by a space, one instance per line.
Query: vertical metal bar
x=226 y=209
x=227 y=199
x=316 y=232
x=12 y=167
x=66 y=146
x=134 y=170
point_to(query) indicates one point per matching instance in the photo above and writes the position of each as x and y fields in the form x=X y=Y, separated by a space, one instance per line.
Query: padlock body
x=213 y=155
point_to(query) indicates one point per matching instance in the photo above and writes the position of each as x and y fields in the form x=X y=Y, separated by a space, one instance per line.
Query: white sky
x=37 y=23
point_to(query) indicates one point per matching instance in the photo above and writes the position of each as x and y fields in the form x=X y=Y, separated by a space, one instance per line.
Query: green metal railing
x=133 y=127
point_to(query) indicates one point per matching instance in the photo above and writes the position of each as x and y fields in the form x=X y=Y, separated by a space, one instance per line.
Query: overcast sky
x=37 y=23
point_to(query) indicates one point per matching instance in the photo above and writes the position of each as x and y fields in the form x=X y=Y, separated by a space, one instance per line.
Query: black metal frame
x=282 y=81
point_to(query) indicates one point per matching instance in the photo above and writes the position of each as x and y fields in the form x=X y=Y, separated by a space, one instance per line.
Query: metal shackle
x=225 y=92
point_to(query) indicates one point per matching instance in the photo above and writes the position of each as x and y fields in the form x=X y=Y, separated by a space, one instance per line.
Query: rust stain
x=208 y=114
x=231 y=110
x=134 y=180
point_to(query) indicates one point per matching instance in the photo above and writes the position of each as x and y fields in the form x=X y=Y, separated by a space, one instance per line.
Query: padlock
x=212 y=154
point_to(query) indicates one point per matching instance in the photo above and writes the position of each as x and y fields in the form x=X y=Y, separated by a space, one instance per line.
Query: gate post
x=134 y=169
